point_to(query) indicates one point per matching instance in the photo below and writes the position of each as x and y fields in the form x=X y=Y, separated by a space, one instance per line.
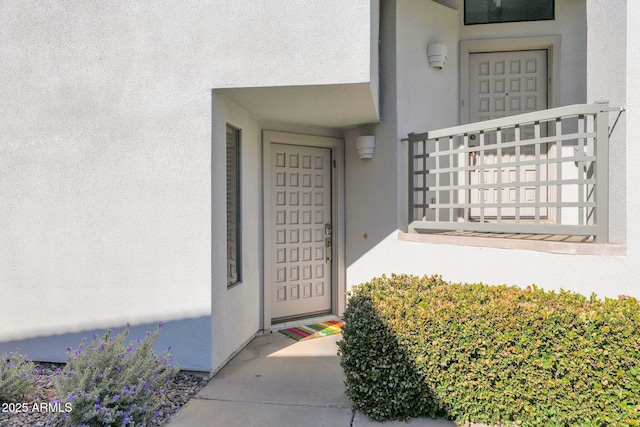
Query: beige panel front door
x=503 y=84
x=300 y=230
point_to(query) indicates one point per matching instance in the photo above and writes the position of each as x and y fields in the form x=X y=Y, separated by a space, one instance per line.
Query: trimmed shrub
x=17 y=379
x=382 y=380
x=491 y=354
x=111 y=382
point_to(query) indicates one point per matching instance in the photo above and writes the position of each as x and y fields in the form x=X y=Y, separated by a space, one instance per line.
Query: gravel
x=182 y=388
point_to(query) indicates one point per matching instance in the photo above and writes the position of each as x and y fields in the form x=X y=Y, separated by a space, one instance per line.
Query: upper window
x=233 y=206
x=496 y=11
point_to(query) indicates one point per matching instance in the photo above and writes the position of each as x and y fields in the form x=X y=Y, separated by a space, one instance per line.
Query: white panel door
x=503 y=84
x=300 y=223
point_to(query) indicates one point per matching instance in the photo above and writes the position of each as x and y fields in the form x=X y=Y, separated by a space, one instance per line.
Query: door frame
x=338 y=271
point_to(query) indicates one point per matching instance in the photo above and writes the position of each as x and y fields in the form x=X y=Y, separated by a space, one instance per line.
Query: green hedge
x=491 y=354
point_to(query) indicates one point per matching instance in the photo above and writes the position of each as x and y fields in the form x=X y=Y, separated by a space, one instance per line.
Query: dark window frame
x=504 y=21
x=233 y=203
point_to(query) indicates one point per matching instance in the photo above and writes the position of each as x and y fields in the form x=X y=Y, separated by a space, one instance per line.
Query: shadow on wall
x=190 y=341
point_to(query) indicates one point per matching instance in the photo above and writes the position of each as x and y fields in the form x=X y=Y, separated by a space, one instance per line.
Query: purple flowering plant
x=114 y=382
x=17 y=379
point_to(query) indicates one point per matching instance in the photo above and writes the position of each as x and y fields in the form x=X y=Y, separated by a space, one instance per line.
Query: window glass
x=495 y=11
x=233 y=206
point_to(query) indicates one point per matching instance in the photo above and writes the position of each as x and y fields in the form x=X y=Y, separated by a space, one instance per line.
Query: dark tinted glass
x=494 y=11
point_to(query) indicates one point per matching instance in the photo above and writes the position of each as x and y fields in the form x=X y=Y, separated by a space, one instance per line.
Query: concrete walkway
x=276 y=381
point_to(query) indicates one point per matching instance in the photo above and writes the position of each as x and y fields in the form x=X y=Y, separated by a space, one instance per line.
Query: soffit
x=341 y=105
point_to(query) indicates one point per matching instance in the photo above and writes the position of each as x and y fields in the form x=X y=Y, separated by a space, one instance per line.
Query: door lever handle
x=327 y=244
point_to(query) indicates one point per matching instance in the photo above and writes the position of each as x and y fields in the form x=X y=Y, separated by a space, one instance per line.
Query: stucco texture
x=104 y=166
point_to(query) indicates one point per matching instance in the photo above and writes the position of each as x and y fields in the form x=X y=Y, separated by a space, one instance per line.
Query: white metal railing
x=544 y=172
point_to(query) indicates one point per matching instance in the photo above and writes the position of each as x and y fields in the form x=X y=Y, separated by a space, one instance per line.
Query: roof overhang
x=333 y=105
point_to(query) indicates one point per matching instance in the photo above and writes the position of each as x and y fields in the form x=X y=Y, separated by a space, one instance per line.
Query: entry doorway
x=303 y=223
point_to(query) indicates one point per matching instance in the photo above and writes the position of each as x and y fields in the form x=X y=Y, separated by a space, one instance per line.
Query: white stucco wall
x=606 y=275
x=420 y=23
x=371 y=203
x=236 y=312
x=291 y=43
x=607 y=57
x=309 y=63
x=632 y=149
x=105 y=169
x=415 y=97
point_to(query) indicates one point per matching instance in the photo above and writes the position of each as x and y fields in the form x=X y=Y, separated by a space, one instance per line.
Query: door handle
x=472 y=155
x=327 y=245
x=473 y=159
x=327 y=242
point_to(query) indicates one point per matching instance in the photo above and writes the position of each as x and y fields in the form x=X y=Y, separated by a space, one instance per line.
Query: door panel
x=300 y=227
x=503 y=84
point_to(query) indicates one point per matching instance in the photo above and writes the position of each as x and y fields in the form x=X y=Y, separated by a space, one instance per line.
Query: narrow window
x=496 y=11
x=233 y=207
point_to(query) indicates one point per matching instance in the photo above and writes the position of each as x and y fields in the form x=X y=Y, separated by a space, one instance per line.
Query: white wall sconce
x=365 y=145
x=437 y=54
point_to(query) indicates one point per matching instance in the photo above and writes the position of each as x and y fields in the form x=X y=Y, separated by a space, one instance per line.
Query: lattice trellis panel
x=543 y=172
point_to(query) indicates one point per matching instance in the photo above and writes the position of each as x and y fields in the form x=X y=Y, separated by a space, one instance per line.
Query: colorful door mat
x=317 y=330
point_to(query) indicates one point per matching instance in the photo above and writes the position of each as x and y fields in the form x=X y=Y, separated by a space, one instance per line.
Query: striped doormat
x=316 y=330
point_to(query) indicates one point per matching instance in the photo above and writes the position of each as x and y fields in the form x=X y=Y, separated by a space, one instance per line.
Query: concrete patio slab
x=276 y=369
x=276 y=381
x=204 y=413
